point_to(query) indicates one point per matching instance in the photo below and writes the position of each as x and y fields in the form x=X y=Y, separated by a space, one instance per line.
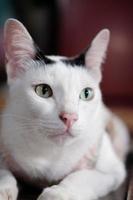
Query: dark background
x=67 y=26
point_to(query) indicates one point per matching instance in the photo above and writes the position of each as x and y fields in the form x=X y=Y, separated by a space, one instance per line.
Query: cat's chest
x=52 y=169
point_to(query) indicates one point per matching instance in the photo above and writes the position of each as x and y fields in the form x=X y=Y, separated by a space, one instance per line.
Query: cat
x=56 y=131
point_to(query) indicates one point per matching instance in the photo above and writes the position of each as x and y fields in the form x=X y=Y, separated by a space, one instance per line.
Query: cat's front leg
x=87 y=184
x=8 y=186
x=57 y=192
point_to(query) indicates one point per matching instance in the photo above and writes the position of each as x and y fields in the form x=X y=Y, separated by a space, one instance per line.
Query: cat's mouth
x=61 y=136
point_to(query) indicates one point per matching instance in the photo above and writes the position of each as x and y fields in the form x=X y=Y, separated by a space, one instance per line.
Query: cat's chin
x=61 y=137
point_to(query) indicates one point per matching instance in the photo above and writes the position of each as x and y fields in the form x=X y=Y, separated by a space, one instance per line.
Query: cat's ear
x=96 y=54
x=18 y=45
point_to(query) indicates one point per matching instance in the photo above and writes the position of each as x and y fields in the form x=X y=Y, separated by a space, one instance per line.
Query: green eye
x=87 y=94
x=43 y=90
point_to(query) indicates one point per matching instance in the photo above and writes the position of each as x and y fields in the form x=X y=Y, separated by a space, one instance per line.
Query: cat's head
x=58 y=98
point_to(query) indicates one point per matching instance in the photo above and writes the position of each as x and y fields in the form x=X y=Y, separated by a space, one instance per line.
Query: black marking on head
x=75 y=61
x=41 y=57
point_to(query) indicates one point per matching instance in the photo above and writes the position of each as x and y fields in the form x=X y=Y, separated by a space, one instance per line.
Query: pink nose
x=69 y=119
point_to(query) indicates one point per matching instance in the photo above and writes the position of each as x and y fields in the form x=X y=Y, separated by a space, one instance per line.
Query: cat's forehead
x=56 y=58
x=58 y=72
x=78 y=60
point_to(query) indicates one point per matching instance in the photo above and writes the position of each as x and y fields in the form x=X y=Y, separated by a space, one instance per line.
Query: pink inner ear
x=97 y=52
x=15 y=67
x=19 y=46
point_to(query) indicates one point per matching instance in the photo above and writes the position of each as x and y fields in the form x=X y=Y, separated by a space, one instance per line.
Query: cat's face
x=57 y=98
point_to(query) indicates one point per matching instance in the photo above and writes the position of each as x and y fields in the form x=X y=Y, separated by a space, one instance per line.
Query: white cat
x=55 y=127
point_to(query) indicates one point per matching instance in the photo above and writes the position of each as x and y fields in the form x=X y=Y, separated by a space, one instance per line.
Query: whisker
x=27 y=119
x=39 y=126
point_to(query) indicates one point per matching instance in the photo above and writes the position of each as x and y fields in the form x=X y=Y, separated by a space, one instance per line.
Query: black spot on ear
x=41 y=57
x=75 y=61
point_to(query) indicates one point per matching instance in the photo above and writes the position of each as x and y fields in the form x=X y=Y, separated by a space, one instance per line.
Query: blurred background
x=66 y=27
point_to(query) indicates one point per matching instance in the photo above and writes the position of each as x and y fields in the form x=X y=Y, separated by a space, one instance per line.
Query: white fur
x=90 y=184
x=8 y=186
x=29 y=121
x=24 y=104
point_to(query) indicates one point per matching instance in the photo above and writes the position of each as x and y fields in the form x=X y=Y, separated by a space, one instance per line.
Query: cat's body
x=60 y=131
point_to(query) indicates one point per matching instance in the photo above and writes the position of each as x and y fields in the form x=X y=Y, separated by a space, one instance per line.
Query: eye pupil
x=86 y=93
x=43 y=90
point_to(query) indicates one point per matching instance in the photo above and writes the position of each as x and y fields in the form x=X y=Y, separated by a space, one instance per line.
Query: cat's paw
x=8 y=192
x=56 y=193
